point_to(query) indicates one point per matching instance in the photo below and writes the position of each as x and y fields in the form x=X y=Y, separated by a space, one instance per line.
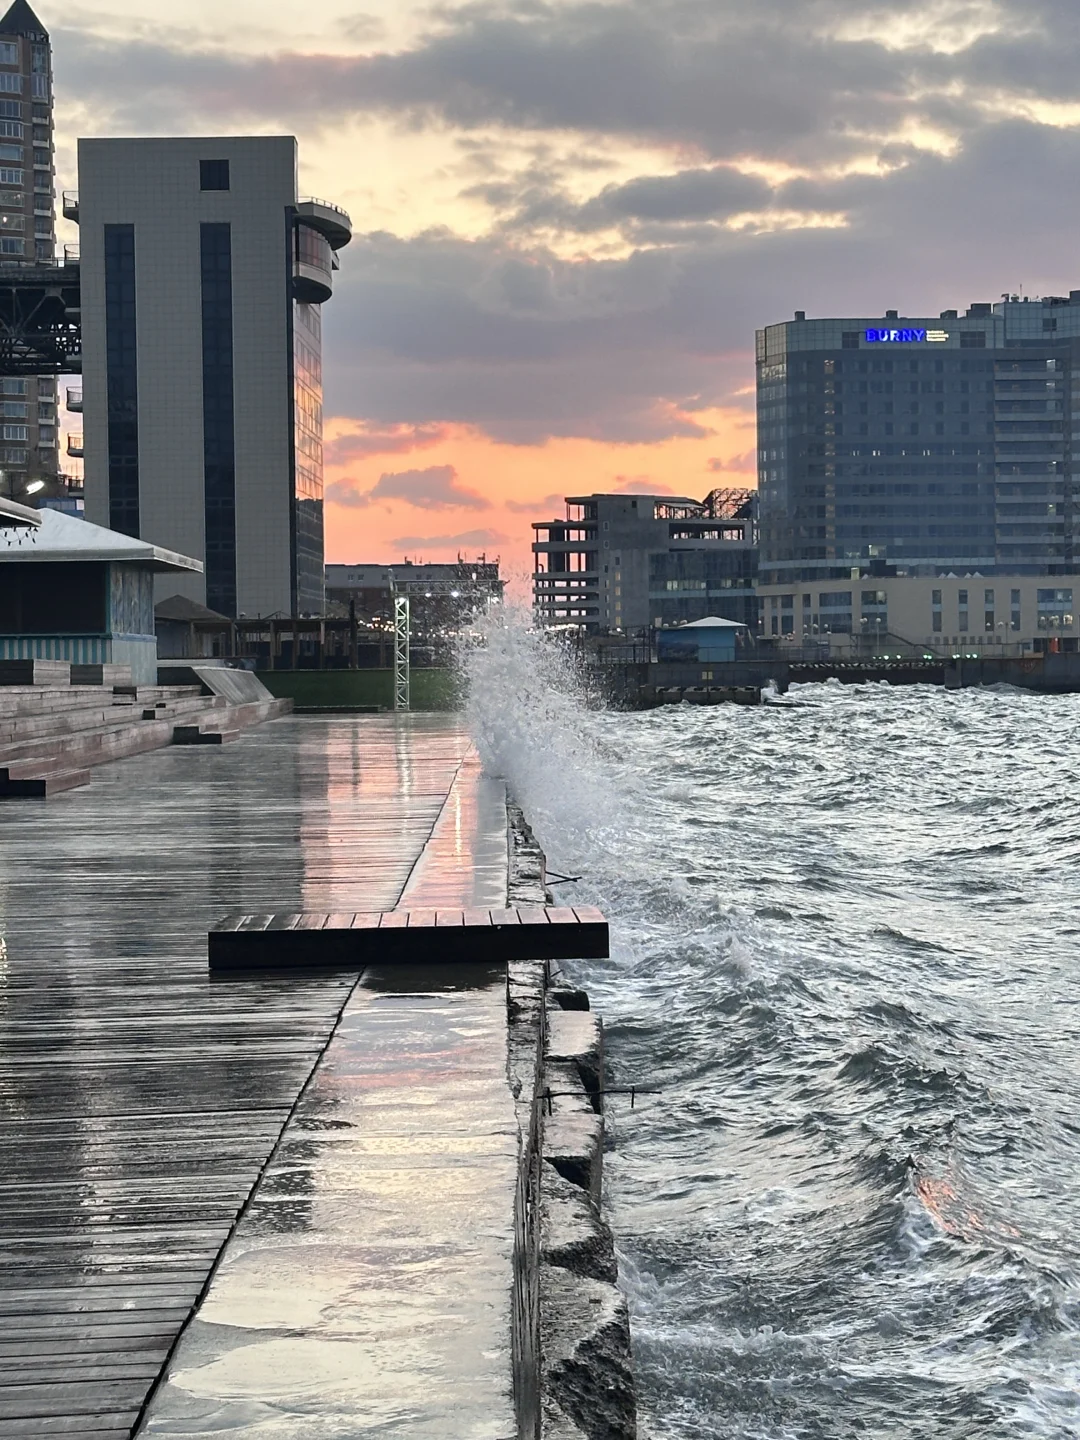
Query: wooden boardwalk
x=140 y=1099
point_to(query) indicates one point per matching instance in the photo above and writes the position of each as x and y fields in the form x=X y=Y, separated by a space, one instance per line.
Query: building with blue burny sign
x=909 y=445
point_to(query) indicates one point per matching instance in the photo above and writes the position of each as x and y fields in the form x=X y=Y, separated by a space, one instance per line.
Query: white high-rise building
x=203 y=279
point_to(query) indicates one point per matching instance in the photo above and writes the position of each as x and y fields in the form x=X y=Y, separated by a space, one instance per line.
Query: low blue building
x=74 y=591
x=701 y=642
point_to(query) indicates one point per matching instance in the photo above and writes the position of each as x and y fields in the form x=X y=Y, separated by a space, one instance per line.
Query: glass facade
x=919 y=458
x=121 y=378
x=308 y=460
x=685 y=584
x=219 y=441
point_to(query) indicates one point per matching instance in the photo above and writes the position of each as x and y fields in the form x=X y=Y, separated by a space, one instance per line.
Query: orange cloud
x=514 y=484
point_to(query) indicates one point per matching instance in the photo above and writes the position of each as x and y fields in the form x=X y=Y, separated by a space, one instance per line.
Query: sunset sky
x=569 y=217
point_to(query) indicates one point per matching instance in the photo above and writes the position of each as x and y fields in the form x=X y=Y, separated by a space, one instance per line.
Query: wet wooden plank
x=142 y=1096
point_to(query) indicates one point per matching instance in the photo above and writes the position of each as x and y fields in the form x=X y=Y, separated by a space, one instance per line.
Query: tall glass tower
x=899 y=445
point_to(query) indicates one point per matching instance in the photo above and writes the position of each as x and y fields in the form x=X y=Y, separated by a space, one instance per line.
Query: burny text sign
x=906 y=337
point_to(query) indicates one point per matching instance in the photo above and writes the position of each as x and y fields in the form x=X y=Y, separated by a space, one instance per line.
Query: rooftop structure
x=629 y=562
x=918 y=445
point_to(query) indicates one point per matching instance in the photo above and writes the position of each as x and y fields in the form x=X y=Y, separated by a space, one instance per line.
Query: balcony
x=74 y=401
x=330 y=221
x=314 y=263
x=71 y=205
x=75 y=446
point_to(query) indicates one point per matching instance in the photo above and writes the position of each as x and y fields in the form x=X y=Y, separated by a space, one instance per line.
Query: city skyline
x=555 y=285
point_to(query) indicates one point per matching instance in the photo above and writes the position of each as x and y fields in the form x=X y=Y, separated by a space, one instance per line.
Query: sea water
x=846 y=952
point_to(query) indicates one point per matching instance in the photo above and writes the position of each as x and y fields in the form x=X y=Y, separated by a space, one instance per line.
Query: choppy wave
x=845 y=952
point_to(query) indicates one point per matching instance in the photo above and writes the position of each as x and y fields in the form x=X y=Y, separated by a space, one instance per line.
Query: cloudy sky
x=570 y=215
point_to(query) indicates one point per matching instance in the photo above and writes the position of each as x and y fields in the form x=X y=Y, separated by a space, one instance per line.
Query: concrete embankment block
x=573 y=1131
x=577 y=1037
x=587 y=1384
x=574 y=1237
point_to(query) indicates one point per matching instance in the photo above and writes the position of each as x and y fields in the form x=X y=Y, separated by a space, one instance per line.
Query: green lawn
x=430 y=689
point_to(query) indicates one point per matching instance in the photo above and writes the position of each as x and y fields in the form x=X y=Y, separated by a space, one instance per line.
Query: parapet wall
x=572 y=1358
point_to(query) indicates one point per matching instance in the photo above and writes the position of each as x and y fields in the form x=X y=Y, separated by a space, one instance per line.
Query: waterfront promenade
x=156 y=1123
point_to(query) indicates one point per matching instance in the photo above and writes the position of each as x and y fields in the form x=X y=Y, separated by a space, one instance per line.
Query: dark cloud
x=769 y=79
x=434 y=488
x=466 y=540
x=502 y=334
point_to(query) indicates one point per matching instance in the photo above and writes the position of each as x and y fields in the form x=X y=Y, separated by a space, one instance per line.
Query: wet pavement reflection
x=367 y=1288
x=139 y=1100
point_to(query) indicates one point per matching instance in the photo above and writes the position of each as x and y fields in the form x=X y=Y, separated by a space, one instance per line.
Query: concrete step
x=108 y=675
x=40 y=787
x=192 y=735
x=35 y=672
x=34 y=765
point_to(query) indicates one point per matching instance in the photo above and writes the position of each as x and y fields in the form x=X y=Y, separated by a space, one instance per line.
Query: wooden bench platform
x=351 y=941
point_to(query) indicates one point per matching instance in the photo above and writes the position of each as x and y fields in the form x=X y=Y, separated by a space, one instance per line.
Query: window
x=9 y=52
x=1054 y=609
x=47 y=435
x=219 y=443
x=10 y=83
x=11 y=152
x=43 y=226
x=16 y=432
x=39 y=59
x=836 y=600
x=706 y=674
x=213 y=174
x=14 y=457
x=14 y=409
x=963 y=620
x=12 y=387
x=121 y=379
x=936 y=621
x=42 y=158
x=962 y=598
x=972 y=340
x=787 y=624
x=39 y=86
x=11 y=128
x=10 y=245
x=849 y=339
x=10 y=177
x=9 y=222
x=787 y=602
x=935 y=597
x=11 y=109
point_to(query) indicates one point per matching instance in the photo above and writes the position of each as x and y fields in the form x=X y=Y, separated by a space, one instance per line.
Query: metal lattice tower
x=402 y=637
